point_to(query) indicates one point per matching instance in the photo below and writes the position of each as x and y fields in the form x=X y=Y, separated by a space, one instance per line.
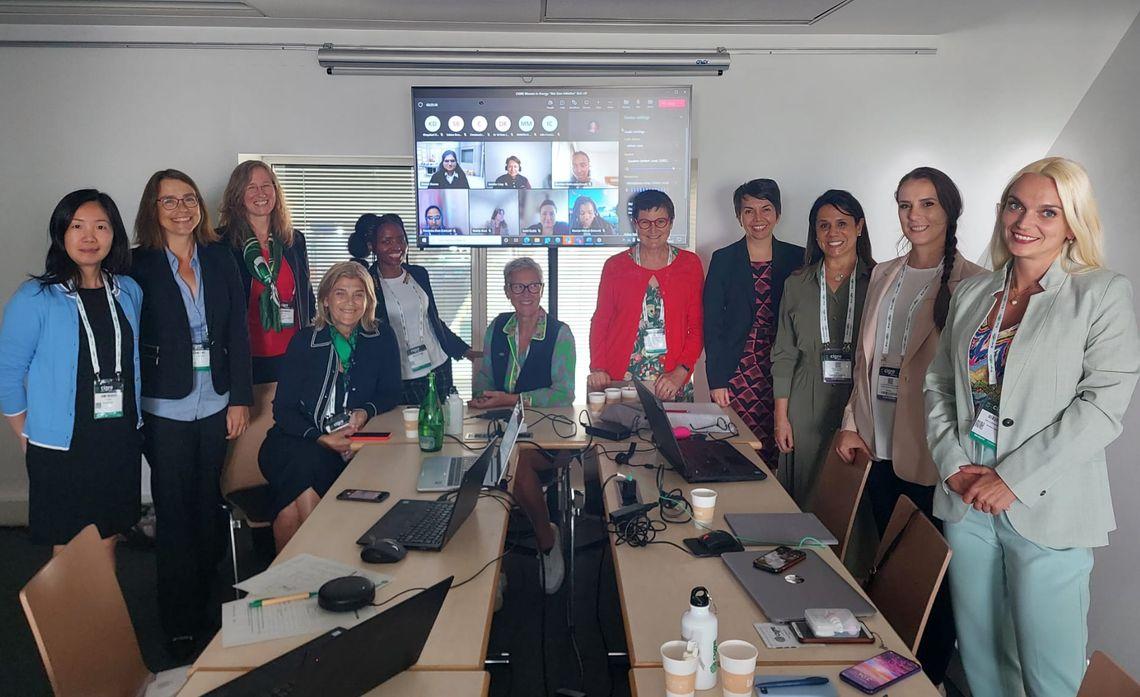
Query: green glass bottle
x=431 y=419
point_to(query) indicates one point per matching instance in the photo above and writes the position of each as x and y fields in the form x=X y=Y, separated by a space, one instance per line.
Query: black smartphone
x=370 y=436
x=362 y=495
x=779 y=559
x=878 y=672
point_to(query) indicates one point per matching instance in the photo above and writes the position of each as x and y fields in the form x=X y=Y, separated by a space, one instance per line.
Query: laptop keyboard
x=455 y=471
x=429 y=530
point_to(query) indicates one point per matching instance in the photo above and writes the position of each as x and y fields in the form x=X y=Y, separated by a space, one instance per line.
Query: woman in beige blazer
x=907 y=301
x=1018 y=424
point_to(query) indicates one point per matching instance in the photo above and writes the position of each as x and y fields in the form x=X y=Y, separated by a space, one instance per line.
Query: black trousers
x=416 y=389
x=185 y=460
x=883 y=489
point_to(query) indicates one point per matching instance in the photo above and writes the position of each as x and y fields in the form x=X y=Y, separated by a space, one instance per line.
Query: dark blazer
x=297 y=256
x=451 y=344
x=164 y=331
x=308 y=378
x=730 y=307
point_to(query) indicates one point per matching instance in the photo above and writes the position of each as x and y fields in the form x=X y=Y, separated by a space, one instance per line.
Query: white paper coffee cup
x=613 y=395
x=412 y=422
x=629 y=394
x=596 y=400
x=737 y=667
x=704 y=504
x=680 y=672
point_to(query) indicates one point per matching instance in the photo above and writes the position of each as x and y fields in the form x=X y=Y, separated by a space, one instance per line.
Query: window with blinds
x=326 y=200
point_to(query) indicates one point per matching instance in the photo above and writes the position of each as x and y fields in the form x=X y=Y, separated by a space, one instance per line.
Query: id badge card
x=985 y=428
x=287 y=314
x=419 y=362
x=108 y=398
x=201 y=356
x=836 y=366
x=655 y=341
x=887 y=386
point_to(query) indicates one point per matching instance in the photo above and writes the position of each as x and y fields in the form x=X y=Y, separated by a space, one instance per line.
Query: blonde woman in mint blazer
x=1024 y=483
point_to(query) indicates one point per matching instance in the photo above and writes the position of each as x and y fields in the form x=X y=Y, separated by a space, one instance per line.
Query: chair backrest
x=1104 y=678
x=838 y=489
x=909 y=567
x=80 y=621
x=240 y=470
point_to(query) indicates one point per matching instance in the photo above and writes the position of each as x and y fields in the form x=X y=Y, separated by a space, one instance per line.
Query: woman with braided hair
x=907 y=302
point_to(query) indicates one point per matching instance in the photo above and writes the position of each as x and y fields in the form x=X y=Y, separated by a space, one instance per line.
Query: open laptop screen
x=660 y=426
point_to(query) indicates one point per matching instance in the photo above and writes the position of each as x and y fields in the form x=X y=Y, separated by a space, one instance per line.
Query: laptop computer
x=444 y=473
x=695 y=460
x=813 y=583
x=778 y=528
x=348 y=662
x=428 y=525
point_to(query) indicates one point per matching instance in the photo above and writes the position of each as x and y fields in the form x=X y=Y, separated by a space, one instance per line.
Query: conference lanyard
x=849 y=327
x=91 y=334
x=991 y=344
x=417 y=358
x=909 y=313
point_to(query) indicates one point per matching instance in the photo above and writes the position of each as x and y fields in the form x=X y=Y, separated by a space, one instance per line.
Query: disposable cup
x=629 y=394
x=596 y=400
x=412 y=422
x=680 y=672
x=704 y=504
x=737 y=667
x=613 y=395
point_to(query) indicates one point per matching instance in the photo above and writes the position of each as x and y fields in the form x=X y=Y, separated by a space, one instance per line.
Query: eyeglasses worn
x=171 y=202
x=518 y=288
x=660 y=224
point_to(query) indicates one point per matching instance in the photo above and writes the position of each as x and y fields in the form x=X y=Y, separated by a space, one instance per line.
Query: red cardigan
x=621 y=293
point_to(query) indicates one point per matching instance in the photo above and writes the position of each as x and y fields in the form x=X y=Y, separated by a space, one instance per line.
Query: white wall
x=1102 y=136
x=982 y=107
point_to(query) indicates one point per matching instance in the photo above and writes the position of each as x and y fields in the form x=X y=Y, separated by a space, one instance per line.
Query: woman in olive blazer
x=1019 y=440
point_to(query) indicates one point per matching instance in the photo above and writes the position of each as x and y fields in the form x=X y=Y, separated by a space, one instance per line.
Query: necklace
x=838 y=275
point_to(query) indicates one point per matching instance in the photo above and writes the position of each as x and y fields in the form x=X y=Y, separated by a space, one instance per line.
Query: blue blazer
x=309 y=372
x=40 y=357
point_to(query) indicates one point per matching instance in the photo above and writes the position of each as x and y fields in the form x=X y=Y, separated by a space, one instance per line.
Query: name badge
x=287 y=315
x=335 y=422
x=655 y=342
x=887 y=388
x=985 y=428
x=836 y=366
x=201 y=356
x=419 y=362
x=108 y=398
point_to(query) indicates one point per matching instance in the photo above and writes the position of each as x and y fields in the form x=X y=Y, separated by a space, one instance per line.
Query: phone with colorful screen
x=878 y=672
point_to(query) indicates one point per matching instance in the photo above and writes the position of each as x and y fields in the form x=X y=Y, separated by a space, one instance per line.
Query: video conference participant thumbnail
x=593 y=211
x=519 y=165
x=585 y=165
x=449 y=165
x=544 y=212
x=443 y=212
x=593 y=125
x=494 y=212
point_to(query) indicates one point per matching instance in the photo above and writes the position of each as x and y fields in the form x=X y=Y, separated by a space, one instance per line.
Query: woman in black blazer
x=404 y=302
x=743 y=289
x=196 y=390
x=337 y=375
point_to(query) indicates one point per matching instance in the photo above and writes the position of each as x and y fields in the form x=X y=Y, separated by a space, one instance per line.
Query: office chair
x=1104 y=678
x=909 y=567
x=76 y=610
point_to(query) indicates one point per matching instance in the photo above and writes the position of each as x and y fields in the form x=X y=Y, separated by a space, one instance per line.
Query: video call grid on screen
x=546 y=166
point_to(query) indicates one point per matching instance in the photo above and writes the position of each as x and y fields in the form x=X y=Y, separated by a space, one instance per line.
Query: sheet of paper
x=303 y=573
x=242 y=624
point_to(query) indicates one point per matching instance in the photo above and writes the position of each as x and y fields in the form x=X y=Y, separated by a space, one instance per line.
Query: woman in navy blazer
x=743 y=289
x=337 y=375
x=84 y=456
x=196 y=390
x=405 y=303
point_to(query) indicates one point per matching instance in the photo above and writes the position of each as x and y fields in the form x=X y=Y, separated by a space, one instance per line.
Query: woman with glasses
x=337 y=375
x=449 y=175
x=405 y=302
x=812 y=358
x=530 y=356
x=196 y=390
x=69 y=376
x=647 y=323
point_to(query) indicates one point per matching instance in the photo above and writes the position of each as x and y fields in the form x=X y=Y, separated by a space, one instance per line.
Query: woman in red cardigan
x=647 y=324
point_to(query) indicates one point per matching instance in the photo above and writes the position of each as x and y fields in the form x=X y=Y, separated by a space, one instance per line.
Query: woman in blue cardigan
x=69 y=376
x=336 y=375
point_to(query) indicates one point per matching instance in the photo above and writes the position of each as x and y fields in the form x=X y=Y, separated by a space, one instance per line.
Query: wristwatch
x=687 y=368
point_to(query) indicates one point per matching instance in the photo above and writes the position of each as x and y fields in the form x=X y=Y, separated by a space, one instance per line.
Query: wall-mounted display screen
x=545 y=167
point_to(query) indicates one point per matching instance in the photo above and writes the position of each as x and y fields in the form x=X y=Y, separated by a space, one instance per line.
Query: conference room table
x=453 y=683
x=653 y=582
x=650 y=682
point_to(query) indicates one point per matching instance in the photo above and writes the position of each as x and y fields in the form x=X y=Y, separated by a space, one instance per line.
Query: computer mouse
x=718 y=541
x=682 y=432
x=385 y=551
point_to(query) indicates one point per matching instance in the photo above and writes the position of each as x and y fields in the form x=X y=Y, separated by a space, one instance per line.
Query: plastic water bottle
x=453 y=414
x=699 y=624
